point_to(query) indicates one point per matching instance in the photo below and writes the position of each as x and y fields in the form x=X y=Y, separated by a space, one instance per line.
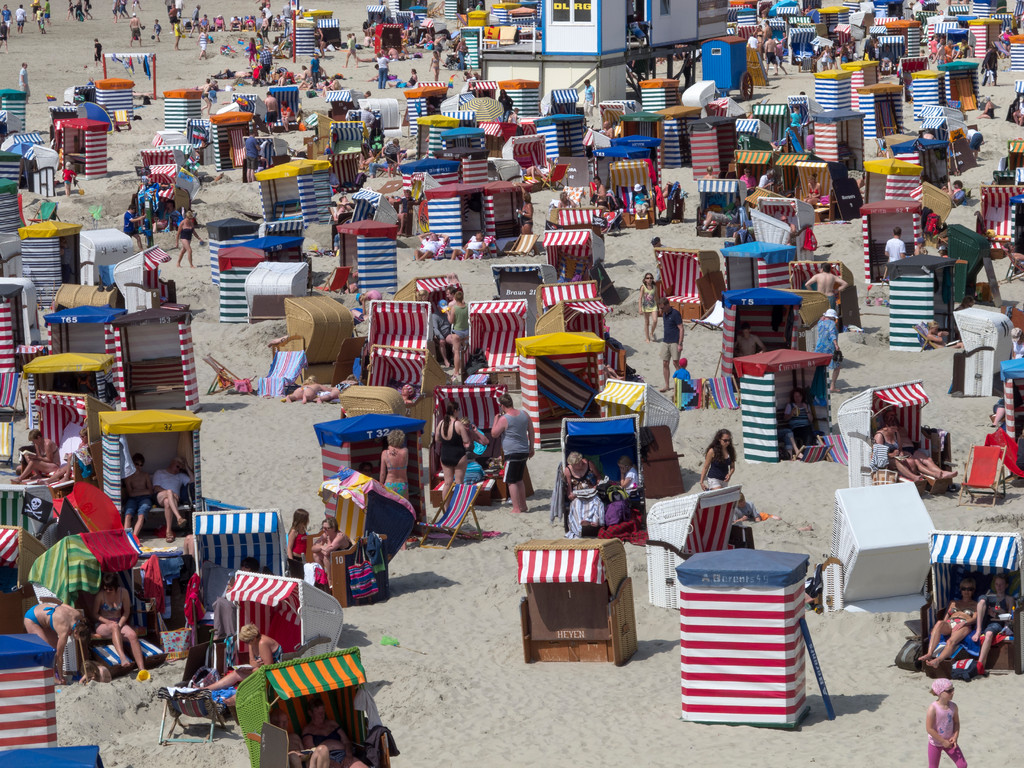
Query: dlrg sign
x=570 y=12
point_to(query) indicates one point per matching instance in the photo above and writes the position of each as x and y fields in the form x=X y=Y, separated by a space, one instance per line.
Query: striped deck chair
x=10 y=390
x=525 y=245
x=450 y=517
x=837 y=450
x=814 y=453
x=107 y=655
x=121 y=120
x=563 y=387
x=196 y=704
x=721 y=393
x=285 y=368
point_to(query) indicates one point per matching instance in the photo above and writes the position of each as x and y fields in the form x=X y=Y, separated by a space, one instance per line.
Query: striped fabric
x=390 y=367
x=108 y=654
x=550 y=295
x=285 y=368
x=398 y=324
x=494 y=327
x=460 y=501
x=67 y=569
x=227 y=538
x=762 y=324
x=995 y=210
x=955 y=551
x=478 y=404
x=269 y=591
x=569 y=218
x=306 y=677
x=7 y=358
x=837 y=451
x=586 y=316
x=621 y=398
x=903 y=396
x=9 y=547
x=28 y=715
x=54 y=412
x=40 y=259
x=377 y=261
x=547 y=429
x=560 y=566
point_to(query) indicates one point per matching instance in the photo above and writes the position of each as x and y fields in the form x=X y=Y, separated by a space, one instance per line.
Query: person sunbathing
x=938 y=336
x=41 y=461
x=955 y=625
x=431 y=247
x=111 y=611
x=320 y=731
x=320 y=757
x=991 y=607
x=309 y=392
x=886 y=455
x=168 y=485
x=918 y=460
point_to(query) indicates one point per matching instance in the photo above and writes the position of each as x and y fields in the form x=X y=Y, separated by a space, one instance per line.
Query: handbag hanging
x=362 y=582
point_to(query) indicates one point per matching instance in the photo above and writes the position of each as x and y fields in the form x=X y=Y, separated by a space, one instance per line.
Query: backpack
x=907 y=658
x=965 y=669
x=932 y=224
x=617 y=512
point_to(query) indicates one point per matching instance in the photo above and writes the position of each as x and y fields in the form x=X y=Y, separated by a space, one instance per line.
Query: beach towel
x=629 y=531
x=721 y=393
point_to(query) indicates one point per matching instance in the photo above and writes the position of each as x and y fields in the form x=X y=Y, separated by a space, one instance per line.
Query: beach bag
x=810 y=241
x=617 y=512
x=965 y=669
x=906 y=659
x=932 y=224
x=361 y=580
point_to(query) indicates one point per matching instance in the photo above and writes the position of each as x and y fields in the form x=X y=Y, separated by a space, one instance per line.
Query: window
x=571 y=12
x=666 y=9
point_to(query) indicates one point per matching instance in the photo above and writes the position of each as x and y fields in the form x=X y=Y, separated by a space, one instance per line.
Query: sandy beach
x=468 y=698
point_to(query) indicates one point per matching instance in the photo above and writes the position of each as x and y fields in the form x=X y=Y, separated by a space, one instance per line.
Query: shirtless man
x=747 y=343
x=43 y=461
x=271 y=104
x=828 y=284
x=136 y=31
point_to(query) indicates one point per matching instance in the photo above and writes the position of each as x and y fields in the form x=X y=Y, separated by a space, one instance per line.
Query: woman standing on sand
x=649 y=306
x=186 y=230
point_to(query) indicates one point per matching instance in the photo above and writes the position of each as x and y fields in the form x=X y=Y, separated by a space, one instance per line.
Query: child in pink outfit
x=943 y=725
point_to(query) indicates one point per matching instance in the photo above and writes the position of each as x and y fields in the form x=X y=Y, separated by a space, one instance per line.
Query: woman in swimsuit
x=329 y=540
x=111 y=613
x=186 y=229
x=585 y=508
x=262 y=649
x=888 y=437
x=394 y=464
x=956 y=625
x=321 y=731
x=55 y=623
x=454 y=437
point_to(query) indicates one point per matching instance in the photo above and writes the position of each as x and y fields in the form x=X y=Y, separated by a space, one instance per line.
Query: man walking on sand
x=135 y=28
x=672 y=339
x=19 y=19
x=516 y=432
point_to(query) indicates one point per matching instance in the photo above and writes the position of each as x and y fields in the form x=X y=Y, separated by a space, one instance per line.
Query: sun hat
x=637 y=187
x=831 y=313
x=442 y=304
x=941 y=685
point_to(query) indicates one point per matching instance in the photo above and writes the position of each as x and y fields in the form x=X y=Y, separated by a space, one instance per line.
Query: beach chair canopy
x=1010 y=370
x=778 y=361
x=955 y=554
x=362 y=504
x=560 y=566
x=919 y=265
x=770 y=253
x=604 y=441
x=85 y=314
x=225 y=538
x=74 y=564
x=69 y=362
x=144 y=422
x=762 y=297
x=54 y=757
x=558 y=344
x=366 y=427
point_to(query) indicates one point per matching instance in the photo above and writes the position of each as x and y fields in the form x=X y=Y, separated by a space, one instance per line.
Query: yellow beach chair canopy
x=146 y=422
x=69 y=362
x=558 y=344
x=48 y=229
x=629 y=394
x=892 y=167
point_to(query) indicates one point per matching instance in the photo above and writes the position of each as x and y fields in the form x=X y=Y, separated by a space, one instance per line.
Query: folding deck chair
x=10 y=392
x=999 y=438
x=195 y=704
x=564 y=388
x=120 y=120
x=837 y=451
x=985 y=473
x=223 y=380
x=451 y=515
x=47 y=212
x=721 y=391
x=286 y=368
x=921 y=329
x=525 y=245
x=337 y=280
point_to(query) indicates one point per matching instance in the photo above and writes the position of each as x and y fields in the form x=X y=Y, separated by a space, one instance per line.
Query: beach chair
x=195 y=704
x=1001 y=439
x=921 y=329
x=814 y=453
x=837 y=451
x=985 y=473
x=524 y=245
x=285 y=368
x=10 y=391
x=450 y=517
x=47 y=212
x=713 y=318
x=1014 y=266
x=721 y=393
x=223 y=380
x=557 y=175
x=120 y=120
x=337 y=280
x=564 y=388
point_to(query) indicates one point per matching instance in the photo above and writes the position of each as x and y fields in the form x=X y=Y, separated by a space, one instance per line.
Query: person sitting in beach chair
x=169 y=484
x=320 y=731
x=954 y=626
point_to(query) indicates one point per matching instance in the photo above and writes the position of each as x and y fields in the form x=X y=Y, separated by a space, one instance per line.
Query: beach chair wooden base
x=602 y=626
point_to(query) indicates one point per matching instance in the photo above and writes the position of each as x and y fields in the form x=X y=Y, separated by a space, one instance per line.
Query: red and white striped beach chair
x=460 y=501
x=285 y=368
x=680 y=271
x=549 y=294
x=398 y=324
x=494 y=327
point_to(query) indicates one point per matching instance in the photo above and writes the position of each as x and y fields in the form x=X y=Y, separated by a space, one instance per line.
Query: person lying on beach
x=918 y=460
x=311 y=391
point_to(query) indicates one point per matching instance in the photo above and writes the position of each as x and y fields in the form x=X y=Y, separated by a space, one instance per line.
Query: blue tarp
x=913 y=146
x=772 y=253
x=1012 y=369
x=54 y=757
x=272 y=244
x=625 y=153
x=83 y=315
x=462 y=133
x=740 y=568
x=19 y=651
x=648 y=142
x=760 y=297
x=371 y=426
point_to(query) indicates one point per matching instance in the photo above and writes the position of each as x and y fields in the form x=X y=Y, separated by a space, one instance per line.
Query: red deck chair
x=985 y=473
x=337 y=280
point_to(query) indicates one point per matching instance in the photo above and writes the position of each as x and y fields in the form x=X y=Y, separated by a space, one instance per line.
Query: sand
x=469 y=699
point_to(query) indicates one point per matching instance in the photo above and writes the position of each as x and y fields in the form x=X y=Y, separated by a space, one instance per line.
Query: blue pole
x=817 y=669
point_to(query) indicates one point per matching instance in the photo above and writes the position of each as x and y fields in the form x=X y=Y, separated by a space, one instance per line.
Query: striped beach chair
x=721 y=393
x=150 y=653
x=814 y=453
x=836 y=449
x=285 y=368
x=195 y=704
x=10 y=388
x=456 y=505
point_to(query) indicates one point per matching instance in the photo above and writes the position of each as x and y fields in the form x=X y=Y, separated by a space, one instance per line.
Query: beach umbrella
x=485 y=107
x=91 y=111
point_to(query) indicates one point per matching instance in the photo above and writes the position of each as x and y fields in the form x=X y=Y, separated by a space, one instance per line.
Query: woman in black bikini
x=321 y=731
x=454 y=437
x=186 y=229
